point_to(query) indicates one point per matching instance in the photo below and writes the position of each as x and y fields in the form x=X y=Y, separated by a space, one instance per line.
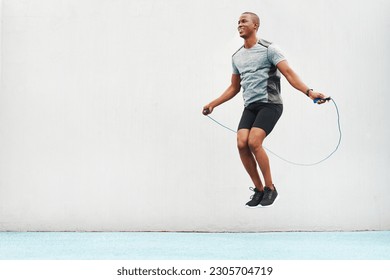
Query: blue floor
x=195 y=246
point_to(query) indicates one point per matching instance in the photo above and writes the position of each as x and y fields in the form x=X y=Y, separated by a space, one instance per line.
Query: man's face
x=246 y=26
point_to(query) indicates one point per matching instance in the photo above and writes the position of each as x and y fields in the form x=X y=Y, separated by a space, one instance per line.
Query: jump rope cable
x=289 y=161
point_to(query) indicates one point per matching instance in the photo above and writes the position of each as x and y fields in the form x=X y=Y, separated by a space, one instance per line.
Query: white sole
x=253 y=207
x=261 y=206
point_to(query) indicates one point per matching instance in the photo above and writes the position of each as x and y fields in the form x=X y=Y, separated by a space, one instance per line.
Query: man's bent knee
x=254 y=144
x=256 y=138
x=242 y=140
x=242 y=145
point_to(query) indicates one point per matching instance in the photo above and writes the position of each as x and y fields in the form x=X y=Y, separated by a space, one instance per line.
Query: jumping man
x=256 y=68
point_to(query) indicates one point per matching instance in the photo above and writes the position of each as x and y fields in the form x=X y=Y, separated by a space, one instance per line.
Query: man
x=256 y=67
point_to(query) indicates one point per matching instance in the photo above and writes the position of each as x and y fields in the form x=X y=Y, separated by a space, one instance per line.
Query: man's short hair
x=255 y=18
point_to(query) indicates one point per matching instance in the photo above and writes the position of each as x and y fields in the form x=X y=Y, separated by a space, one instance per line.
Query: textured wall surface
x=101 y=126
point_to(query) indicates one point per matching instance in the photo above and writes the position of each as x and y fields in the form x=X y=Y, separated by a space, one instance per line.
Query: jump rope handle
x=318 y=99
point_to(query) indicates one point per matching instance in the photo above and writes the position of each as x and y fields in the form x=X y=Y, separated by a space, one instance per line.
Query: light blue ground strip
x=195 y=246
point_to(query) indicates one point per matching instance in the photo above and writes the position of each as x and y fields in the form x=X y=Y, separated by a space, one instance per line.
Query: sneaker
x=255 y=198
x=269 y=197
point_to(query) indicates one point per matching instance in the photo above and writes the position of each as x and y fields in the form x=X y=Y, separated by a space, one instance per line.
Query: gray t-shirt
x=260 y=78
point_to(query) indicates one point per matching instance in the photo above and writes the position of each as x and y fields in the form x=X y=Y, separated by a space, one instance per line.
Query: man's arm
x=296 y=82
x=228 y=94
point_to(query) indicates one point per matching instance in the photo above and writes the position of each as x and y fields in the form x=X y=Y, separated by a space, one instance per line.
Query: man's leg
x=255 y=143
x=247 y=158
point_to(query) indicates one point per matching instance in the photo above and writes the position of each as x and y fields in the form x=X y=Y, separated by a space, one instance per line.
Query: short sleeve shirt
x=260 y=78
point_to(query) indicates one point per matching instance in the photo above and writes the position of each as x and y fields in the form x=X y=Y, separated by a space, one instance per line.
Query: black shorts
x=261 y=115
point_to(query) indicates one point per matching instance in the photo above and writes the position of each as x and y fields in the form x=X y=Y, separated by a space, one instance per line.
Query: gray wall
x=101 y=126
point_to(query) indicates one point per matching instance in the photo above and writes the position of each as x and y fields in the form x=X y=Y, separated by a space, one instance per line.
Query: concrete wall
x=101 y=126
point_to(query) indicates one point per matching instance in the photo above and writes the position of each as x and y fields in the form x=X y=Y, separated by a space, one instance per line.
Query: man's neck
x=250 y=42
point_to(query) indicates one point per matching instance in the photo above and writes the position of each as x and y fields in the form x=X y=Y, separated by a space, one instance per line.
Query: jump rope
x=292 y=162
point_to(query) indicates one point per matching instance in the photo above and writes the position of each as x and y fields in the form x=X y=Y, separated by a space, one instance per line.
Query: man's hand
x=207 y=109
x=313 y=95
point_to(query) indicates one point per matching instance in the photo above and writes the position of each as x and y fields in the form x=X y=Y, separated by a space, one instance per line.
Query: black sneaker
x=255 y=198
x=269 y=197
